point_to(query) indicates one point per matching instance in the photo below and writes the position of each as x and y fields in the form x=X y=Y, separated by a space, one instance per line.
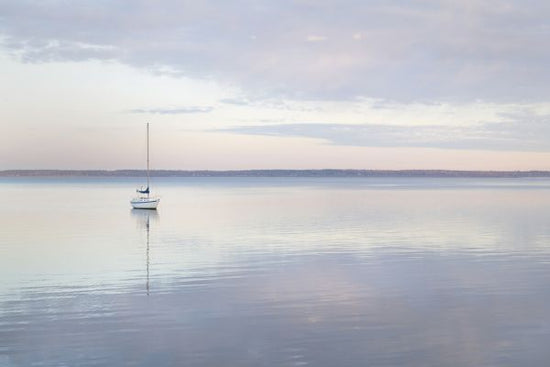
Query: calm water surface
x=275 y=272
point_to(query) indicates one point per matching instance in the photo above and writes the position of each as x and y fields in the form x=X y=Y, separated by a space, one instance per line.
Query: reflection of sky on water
x=329 y=309
x=281 y=274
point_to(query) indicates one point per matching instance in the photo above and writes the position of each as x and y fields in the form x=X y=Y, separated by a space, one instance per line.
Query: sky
x=257 y=84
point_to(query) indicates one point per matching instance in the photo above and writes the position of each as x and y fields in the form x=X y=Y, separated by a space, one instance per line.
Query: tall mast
x=148 y=160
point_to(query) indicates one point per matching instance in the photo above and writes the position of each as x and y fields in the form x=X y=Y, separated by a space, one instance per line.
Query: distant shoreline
x=274 y=173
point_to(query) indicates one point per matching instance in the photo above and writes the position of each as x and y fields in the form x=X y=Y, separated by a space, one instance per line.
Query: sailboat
x=144 y=200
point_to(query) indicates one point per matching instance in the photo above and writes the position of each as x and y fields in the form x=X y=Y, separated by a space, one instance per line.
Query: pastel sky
x=275 y=84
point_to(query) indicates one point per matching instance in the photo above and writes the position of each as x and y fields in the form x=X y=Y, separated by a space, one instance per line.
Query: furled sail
x=142 y=191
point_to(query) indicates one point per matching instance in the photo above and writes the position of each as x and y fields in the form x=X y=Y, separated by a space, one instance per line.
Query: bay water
x=275 y=272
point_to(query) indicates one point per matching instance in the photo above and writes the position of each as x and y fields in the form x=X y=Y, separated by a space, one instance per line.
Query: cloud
x=236 y=101
x=314 y=38
x=520 y=132
x=429 y=50
x=174 y=111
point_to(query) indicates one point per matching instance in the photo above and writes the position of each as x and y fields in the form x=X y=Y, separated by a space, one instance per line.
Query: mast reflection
x=144 y=220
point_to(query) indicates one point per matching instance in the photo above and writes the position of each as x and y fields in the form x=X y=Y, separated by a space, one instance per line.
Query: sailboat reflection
x=144 y=219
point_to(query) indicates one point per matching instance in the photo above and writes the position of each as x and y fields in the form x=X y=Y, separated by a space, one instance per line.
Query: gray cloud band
x=173 y=111
x=523 y=134
x=430 y=50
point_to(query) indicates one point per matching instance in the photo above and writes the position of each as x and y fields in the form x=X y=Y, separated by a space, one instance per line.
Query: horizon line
x=325 y=172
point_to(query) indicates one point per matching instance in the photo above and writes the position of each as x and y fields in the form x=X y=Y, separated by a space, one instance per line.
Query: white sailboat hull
x=145 y=203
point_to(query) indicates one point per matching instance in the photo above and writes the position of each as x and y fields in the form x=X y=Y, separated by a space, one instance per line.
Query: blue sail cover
x=141 y=191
